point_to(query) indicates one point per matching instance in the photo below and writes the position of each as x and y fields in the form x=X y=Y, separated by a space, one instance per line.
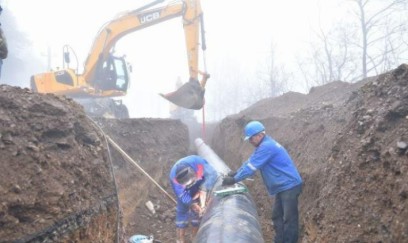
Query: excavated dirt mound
x=56 y=182
x=349 y=142
x=155 y=145
x=60 y=181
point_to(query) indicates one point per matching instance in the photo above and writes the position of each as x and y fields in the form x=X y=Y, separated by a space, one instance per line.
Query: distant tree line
x=370 y=40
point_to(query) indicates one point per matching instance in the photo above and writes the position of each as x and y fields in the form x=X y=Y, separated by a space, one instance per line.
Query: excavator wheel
x=121 y=111
x=190 y=95
x=104 y=107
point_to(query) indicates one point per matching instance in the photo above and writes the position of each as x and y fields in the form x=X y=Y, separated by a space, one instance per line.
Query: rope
x=129 y=159
x=113 y=175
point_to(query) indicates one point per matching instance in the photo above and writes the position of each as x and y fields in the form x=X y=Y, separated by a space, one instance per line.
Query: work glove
x=232 y=173
x=228 y=180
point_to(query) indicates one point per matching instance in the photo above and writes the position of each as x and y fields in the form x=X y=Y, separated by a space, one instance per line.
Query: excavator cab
x=113 y=74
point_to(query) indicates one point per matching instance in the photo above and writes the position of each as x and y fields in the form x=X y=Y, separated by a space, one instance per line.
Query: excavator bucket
x=190 y=95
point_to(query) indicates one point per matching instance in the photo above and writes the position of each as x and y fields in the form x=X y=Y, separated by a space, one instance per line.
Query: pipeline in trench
x=228 y=218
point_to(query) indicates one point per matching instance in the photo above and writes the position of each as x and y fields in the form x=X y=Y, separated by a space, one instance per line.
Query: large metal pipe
x=208 y=154
x=231 y=218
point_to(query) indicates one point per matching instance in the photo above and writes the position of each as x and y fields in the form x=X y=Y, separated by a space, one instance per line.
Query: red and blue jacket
x=205 y=174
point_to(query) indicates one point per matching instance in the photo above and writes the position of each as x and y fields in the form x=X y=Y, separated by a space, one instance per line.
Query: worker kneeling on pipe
x=191 y=178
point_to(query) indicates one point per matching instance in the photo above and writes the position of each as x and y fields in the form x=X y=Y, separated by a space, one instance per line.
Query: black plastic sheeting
x=231 y=218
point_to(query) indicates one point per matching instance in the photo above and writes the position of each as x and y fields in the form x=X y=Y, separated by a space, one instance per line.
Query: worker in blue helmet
x=280 y=176
x=191 y=178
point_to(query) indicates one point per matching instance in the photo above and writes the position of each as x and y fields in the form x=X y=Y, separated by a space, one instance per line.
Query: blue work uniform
x=206 y=178
x=282 y=180
x=278 y=171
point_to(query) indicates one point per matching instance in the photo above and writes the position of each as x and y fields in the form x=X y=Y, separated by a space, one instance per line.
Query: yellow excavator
x=106 y=76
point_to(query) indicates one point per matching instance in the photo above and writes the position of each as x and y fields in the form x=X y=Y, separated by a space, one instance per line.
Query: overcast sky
x=239 y=30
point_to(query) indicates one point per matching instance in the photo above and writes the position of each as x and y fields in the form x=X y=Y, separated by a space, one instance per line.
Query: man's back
x=278 y=170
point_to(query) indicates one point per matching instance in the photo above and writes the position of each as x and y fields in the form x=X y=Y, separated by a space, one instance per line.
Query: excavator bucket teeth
x=190 y=95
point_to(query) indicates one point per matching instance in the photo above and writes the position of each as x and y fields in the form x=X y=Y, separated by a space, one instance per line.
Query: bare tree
x=229 y=89
x=329 y=58
x=237 y=87
x=382 y=33
x=274 y=76
x=352 y=50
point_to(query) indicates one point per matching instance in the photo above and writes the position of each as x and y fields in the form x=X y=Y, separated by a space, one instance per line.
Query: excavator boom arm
x=136 y=20
x=106 y=75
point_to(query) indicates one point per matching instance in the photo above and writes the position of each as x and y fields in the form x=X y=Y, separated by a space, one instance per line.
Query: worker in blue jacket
x=280 y=177
x=191 y=178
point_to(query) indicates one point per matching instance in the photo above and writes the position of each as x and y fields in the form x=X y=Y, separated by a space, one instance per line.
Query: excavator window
x=122 y=77
x=113 y=75
x=64 y=78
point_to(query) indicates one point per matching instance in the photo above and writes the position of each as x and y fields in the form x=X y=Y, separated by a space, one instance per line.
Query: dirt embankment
x=56 y=180
x=348 y=140
x=350 y=144
x=61 y=182
x=155 y=145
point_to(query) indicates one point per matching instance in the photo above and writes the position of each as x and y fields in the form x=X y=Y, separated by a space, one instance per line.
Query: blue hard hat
x=253 y=128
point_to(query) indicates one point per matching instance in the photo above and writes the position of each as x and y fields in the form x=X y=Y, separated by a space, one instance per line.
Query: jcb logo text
x=149 y=17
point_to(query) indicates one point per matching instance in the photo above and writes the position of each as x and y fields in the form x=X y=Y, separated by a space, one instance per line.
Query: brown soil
x=350 y=144
x=348 y=140
x=154 y=144
x=56 y=181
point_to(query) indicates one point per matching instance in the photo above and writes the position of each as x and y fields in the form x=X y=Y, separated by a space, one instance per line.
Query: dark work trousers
x=285 y=215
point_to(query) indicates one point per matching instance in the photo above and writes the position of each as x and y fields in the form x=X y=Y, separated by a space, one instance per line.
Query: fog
x=239 y=36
